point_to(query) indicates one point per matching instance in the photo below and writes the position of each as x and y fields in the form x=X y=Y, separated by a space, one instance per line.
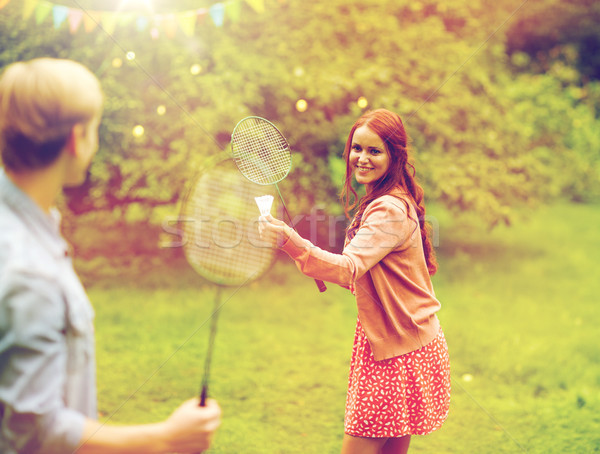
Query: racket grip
x=203 y=396
x=321 y=285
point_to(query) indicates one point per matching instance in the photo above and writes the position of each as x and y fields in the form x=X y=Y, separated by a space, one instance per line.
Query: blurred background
x=501 y=100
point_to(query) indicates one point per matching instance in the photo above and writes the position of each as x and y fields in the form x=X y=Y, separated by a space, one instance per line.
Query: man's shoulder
x=21 y=252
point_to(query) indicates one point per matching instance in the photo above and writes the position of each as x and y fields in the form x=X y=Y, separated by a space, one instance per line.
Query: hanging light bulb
x=196 y=69
x=138 y=131
x=301 y=105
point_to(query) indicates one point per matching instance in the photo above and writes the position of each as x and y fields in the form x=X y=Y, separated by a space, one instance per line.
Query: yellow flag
x=233 y=10
x=42 y=11
x=257 y=5
x=90 y=20
x=109 y=22
x=187 y=22
x=170 y=25
x=28 y=8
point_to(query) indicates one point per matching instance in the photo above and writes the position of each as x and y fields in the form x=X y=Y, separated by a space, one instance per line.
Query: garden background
x=501 y=100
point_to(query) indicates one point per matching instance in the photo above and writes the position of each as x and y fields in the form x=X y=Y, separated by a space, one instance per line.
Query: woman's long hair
x=401 y=173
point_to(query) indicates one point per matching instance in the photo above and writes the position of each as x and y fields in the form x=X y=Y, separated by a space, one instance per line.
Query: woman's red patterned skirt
x=405 y=395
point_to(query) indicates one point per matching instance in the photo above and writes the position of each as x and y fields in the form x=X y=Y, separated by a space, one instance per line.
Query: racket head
x=219 y=223
x=260 y=151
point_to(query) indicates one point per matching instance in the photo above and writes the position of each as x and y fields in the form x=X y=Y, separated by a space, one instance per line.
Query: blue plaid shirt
x=47 y=351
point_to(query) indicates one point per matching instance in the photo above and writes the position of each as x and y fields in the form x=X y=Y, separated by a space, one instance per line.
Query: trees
x=487 y=135
x=549 y=31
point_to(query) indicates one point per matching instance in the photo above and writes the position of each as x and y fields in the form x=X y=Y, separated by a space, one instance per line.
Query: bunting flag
x=59 y=15
x=155 y=24
x=42 y=12
x=75 y=17
x=187 y=22
x=91 y=19
x=141 y=23
x=170 y=25
x=28 y=7
x=108 y=21
x=234 y=10
x=217 y=13
x=201 y=14
x=257 y=5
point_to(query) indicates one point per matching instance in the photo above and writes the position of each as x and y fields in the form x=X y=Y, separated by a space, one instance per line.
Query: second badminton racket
x=262 y=154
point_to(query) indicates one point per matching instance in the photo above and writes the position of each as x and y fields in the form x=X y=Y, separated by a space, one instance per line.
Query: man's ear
x=72 y=145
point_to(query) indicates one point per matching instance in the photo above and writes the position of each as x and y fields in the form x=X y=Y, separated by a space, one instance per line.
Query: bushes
x=487 y=135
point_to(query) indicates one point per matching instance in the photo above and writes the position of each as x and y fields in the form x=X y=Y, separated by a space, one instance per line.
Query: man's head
x=44 y=104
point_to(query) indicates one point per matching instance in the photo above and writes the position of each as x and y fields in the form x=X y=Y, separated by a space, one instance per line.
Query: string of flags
x=154 y=23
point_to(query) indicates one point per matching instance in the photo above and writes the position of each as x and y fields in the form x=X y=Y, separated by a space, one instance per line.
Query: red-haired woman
x=399 y=381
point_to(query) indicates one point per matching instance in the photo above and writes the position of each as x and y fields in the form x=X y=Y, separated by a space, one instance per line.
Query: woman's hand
x=272 y=230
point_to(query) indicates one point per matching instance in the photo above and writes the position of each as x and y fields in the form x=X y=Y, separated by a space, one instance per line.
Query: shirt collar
x=36 y=220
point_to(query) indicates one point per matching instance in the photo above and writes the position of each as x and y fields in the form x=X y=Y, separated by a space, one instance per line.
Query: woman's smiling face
x=368 y=157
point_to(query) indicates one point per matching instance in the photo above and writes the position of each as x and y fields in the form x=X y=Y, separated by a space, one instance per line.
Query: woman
x=399 y=382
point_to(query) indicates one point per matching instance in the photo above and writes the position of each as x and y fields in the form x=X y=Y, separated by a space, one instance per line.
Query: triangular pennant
x=141 y=23
x=233 y=10
x=59 y=15
x=3 y=3
x=170 y=25
x=109 y=22
x=157 y=20
x=257 y=5
x=217 y=13
x=91 y=19
x=28 y=8
x=75 y=18
x=125 y=18
x=201 y=14
x=187 y=22
x=42 y=11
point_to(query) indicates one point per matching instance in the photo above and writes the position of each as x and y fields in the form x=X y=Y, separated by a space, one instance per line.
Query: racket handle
x=203 y=396
x=321 y=285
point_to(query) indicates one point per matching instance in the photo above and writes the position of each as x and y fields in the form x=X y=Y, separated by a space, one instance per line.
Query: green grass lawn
x=519 y=312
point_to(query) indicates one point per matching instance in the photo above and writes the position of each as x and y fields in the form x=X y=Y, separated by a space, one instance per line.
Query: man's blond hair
x=40 y=102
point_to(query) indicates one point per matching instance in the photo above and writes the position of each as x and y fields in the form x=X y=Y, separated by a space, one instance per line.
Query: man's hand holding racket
x=190 y=428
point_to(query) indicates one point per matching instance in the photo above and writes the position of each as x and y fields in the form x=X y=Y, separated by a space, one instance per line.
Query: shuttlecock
x=264 y=203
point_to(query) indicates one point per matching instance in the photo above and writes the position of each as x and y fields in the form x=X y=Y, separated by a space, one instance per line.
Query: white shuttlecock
x=264 y=203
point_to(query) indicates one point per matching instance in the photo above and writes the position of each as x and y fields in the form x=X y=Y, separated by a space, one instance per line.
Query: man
x=50 y=110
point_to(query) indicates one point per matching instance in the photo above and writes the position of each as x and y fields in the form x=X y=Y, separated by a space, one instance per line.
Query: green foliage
x=554 y=31
x=519 y=311
x=488 y=135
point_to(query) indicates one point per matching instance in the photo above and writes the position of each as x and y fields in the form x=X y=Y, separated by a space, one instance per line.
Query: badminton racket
x=263 y=156
x=221 y=242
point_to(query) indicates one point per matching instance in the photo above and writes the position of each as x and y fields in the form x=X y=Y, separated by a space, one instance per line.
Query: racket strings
x=260 y=151
x=220 y=234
